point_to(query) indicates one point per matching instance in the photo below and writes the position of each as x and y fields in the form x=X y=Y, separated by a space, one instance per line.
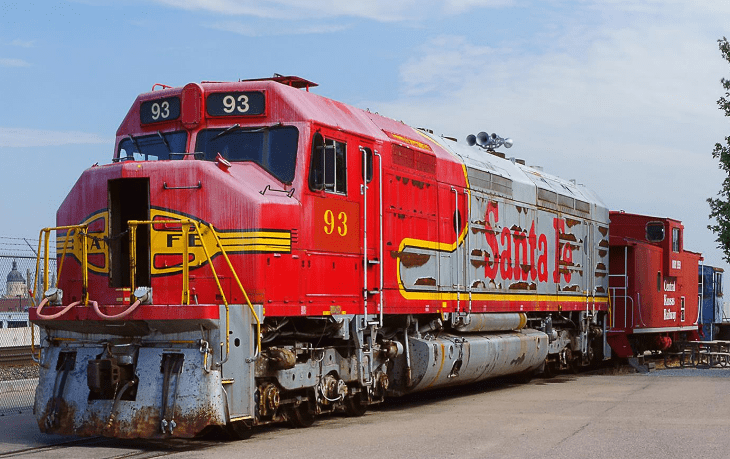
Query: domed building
x=16 y=286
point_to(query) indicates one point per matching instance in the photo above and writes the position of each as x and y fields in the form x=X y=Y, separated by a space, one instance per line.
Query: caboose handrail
x=625 y=297
x=185 y=227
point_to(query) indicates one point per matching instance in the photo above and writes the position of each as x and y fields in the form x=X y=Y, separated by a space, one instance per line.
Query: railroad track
x=15 y=355
x=111 y=448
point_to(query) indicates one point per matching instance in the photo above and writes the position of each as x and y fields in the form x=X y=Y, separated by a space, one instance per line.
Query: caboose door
x=372 y=224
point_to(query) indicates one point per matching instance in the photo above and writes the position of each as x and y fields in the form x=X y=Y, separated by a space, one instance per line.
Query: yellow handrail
x=186 y=269
x=238 y=281
x=80 y=231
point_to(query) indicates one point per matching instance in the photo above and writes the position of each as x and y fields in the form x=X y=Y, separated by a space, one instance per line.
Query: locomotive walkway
x=665 y=413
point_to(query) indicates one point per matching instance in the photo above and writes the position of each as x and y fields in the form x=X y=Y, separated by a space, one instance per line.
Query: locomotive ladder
x=367 y=262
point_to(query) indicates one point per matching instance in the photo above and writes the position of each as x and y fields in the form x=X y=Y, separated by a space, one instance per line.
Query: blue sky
x=619 y=95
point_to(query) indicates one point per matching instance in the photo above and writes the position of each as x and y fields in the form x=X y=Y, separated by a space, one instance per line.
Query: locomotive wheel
x=301 y=416
x=522 y=378
x=238 y=430
x=355 y=405
x=550 y=370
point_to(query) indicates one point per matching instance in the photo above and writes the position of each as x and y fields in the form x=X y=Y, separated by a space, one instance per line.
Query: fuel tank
x=450 y=360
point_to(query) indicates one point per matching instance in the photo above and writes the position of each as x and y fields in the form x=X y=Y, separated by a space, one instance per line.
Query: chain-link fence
x=20 y=288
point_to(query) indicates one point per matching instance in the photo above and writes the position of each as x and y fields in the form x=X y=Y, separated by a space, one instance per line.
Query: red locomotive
x=653 y=285
x=256 y=253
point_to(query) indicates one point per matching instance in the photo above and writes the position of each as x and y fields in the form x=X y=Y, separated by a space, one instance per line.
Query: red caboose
x=653 y=284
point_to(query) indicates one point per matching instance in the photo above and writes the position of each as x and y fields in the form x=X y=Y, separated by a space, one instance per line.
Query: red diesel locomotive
x=256 y=253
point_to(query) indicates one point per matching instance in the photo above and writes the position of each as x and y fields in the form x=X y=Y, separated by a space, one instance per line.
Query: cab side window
x=676 y=240
x=328 y=169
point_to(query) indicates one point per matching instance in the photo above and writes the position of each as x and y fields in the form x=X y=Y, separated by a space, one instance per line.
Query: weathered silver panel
x=452 y=360
x=528 y=232
x=239 y=369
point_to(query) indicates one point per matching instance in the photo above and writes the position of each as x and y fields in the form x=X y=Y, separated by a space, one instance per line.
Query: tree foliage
x=720 y=206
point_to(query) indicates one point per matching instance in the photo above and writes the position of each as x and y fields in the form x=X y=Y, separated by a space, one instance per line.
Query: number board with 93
x=236 y=103
x=154 y=111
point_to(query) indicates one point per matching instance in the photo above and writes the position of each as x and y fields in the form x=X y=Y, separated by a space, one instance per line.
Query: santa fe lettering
x=523 y=255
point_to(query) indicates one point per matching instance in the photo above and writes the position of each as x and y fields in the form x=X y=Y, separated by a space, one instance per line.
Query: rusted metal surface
x=411 y=260
x=199 y=402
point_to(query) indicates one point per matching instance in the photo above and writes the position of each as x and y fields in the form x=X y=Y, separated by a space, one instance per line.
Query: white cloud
x=256 y=30
x=460 y=6
x=292 y=9
x=378 y=10
x=22 y=43
x=9 y=62
x=18 y=137
x=625 y=104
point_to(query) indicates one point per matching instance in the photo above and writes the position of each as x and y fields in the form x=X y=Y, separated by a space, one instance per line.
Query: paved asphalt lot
x=664 y=414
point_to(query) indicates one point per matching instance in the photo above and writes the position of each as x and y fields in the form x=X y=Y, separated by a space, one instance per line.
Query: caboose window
x=328 y=170
x=273 y=148
x=655 y=231
x=152 y=147
x=676 y=239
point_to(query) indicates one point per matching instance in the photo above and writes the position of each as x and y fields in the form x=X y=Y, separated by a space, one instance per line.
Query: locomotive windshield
x=273 y=148
x=168 y=145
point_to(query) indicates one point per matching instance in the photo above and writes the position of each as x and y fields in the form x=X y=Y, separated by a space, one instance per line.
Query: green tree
x=720 y=206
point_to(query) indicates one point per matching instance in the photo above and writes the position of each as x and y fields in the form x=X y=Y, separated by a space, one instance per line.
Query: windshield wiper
x=227 y=131
x=134 y=141
x=164 y=140
x=136 y=145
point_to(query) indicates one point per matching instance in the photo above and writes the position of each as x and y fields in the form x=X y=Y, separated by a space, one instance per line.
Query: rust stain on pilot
x=62 y=422
x=411 y=260
x=145 y=422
